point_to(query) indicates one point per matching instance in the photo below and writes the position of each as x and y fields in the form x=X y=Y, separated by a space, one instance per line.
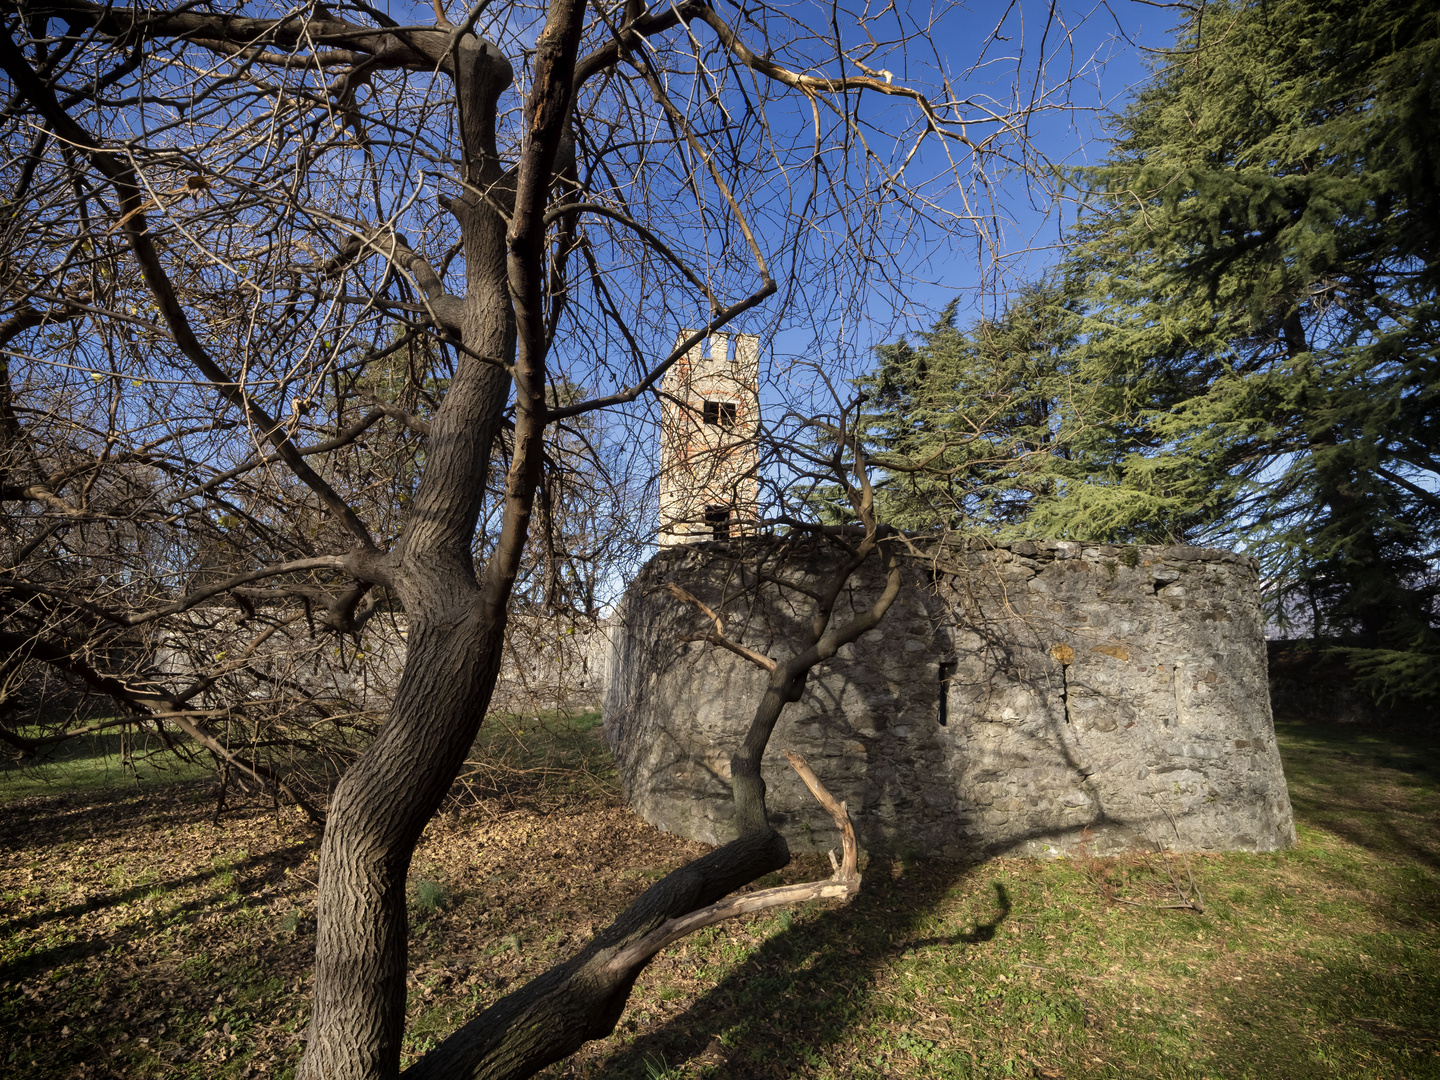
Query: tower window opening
x=721 y=413
x=718 y=518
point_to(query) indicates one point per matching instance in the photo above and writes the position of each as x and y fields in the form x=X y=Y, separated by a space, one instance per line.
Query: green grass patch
x=139 y=939
x=545 y=761
x=1319 y=962
x=103 y=761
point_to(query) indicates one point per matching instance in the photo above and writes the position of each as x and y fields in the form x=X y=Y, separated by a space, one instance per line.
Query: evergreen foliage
x=953 y=419
x=1249 y=349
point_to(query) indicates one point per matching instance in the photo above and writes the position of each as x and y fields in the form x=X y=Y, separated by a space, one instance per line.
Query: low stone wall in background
x=1310 y=682
x=552 y=664
x=1023 y=698
x=549 y=663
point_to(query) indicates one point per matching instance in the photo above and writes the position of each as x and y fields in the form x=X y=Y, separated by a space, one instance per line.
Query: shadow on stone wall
x=1015 y=699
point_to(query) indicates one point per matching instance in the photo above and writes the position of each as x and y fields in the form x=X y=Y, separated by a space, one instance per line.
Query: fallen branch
x=841 y=885
x=583 y=998
x=1194 y=901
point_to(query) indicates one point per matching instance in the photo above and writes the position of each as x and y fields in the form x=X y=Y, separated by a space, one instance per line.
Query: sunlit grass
x=168 y=945
x=105 y=760
x=1323 y=961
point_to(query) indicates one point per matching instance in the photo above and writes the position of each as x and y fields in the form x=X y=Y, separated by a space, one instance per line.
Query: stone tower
x=709 y=460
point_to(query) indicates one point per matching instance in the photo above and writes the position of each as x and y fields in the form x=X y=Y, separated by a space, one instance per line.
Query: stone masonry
x=548 y=664
x=710 y=411
x=1023 y=698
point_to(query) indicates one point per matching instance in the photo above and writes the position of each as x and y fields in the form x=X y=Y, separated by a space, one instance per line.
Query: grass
x=430 y=895
x=138 y=939
x=103 y=761
x=547 y=761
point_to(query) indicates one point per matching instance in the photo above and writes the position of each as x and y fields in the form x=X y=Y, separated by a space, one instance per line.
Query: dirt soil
x=144 y=936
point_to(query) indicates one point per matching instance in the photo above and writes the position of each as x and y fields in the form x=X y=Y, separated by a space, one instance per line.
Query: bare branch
x=843 y=885
x=718 y=637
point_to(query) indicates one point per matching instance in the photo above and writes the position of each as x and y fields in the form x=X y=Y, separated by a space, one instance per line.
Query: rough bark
x=457 y=629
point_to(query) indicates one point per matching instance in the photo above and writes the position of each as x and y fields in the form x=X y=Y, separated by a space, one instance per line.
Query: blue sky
x=994 y=53
x=1104 y=47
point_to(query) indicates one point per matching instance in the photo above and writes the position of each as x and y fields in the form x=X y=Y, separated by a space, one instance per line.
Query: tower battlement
x=709 y=458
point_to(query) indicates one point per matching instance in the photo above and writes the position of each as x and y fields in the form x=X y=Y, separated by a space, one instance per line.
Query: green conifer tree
x=1262 y=254
x=954 y=419
x=1249 y=349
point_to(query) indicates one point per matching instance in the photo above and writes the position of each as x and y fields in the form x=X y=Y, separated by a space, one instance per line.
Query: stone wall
x=552 y=664
x=1019 y=699
x=549 y=663
x=1309 y=682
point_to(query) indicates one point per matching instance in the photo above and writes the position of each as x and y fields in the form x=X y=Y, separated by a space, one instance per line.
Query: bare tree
x=297 y=307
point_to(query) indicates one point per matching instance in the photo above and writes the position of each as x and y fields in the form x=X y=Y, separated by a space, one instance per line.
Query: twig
x=718 y=636
x=1194 y=901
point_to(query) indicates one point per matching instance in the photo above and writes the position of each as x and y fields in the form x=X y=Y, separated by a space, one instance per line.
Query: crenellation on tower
x=709 y=456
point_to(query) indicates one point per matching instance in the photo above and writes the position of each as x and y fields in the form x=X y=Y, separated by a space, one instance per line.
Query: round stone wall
x=1020 y=698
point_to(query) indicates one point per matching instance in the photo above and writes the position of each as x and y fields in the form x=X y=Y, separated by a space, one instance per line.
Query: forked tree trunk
x=787 y=679
x=456 y=629
x=456 y=622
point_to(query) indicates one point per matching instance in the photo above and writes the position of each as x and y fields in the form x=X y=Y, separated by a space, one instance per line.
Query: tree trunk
x=456 y=631
x=554 y=1015
x=747 y=786
x=376 y=817
x=787 y=680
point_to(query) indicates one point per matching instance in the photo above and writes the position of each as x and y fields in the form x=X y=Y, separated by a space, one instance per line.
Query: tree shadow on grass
x=805 y=988
x=1382 y=794
x=140 y=1014
x=116 y=825
x=1324 y=1018
x=128 y=814
x=98 y=987
x=250 y=874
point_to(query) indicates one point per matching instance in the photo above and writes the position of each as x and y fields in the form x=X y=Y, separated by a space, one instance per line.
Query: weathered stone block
x=1102 y=702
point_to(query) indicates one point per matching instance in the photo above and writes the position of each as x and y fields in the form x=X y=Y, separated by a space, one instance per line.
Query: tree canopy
x=309 y=315
x=1247 y=346
x=955 y=418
